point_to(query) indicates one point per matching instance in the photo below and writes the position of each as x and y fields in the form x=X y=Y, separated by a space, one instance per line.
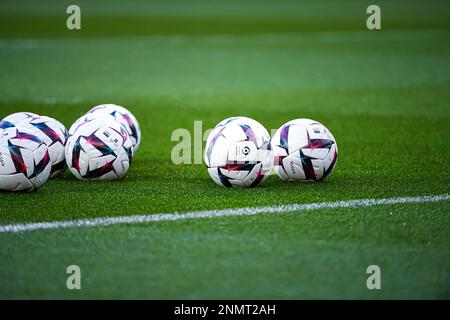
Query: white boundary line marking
x=23 y=227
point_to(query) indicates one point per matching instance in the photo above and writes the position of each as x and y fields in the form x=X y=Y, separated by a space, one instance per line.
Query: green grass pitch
x=384 y=94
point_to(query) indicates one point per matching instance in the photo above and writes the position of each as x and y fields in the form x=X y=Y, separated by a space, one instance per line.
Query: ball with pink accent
x=122 y=115
x=99 y=149
x=304 y=150
x=24 y=160
x=238 y=154
x=54 y=134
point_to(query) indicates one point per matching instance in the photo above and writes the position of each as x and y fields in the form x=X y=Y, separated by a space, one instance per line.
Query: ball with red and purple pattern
x=54 y=134
x=304 y=150
x=124 y=116
x=16 y=118
x=24 y=160
x=238 y=153
x=100 y=149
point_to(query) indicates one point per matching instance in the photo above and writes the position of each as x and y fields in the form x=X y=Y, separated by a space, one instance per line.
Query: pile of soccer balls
x=99 y=146
x=240 y=153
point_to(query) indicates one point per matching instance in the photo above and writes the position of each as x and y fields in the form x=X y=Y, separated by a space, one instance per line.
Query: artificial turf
x=320 y=254
x=384 y=95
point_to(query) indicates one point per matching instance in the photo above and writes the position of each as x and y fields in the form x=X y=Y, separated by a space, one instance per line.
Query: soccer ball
x=124 y=116
x=304 y=150
x=16 y=118
x=54 y=135
x=85 y=118
x=99 y=150
x=24 y=160
x=238 y=153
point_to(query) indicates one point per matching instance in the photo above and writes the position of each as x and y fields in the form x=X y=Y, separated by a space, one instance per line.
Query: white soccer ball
x=238 y=153
x=16 y=118
x=304 y=150
x=99 y=150
x=24 y=160
x=124 y=116
x=85 y=118
x=54 y=135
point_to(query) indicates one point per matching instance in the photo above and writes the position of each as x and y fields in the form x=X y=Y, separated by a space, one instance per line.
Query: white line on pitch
x=15 y=228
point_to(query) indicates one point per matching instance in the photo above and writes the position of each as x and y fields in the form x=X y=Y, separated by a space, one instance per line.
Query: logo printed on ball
x=292 y=165
x=122 y=163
